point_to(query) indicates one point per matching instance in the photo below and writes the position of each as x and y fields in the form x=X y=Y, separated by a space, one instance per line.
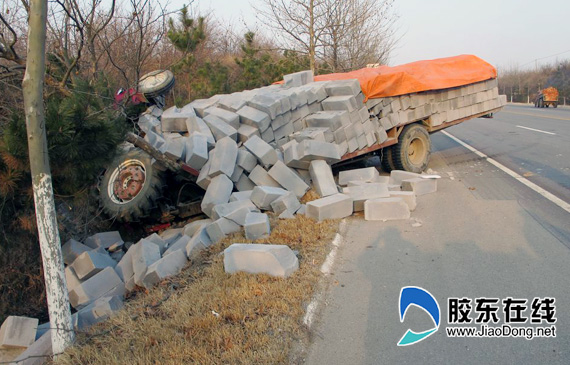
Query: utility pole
x=33 y=85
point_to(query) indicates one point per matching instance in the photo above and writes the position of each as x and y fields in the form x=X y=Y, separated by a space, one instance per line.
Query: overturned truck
x=269 y=136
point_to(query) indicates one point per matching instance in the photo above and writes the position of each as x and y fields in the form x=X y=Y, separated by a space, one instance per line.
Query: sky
x=505 y=33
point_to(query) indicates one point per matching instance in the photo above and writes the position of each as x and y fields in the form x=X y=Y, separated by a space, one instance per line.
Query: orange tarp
x=418 y=76
x=550 y=94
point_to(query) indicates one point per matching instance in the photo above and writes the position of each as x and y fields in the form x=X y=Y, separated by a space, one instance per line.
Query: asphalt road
x=482 y=235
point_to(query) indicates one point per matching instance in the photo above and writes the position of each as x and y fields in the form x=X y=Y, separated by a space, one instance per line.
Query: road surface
x=482 y=235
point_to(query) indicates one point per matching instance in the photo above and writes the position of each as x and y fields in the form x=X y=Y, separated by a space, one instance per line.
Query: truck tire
x=555 y=105
x=130 y=186
x=413 y=150
x=156 y=83
x=387 y=159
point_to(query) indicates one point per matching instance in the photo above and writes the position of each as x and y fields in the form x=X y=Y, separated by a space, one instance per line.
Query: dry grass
x=209 y=317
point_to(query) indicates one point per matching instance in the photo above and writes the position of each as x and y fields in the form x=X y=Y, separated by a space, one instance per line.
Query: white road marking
x=553 y=198
x=536 y=130
x=325 y=269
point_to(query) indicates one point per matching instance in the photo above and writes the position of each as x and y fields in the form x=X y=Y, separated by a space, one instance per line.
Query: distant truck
x=547 y=97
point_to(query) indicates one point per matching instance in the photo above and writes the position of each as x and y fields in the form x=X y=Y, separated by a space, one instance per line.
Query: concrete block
x=203 y=179
x=284 y=131
x=260 y=177
x=302 y=210
x=102 y=284
x=191 y=228
x=241 y=195
x=342 y=148
x=263 y=196
x=166 y=267
x=236 y=175
x=381 y=136
x=224 y=158
x=407 y=196
x=331 y=207
x=288 y=179
x=343 y=87
x=145 y=254
x=314 y=150
x=244 y=183
x=220 y=228
x=72 y=249
x=245 y=132
x=386 y=209
x=196 y=150
x=362 y=193
x=201 y=105
x=397 y=176
x=149 y=124
x=98 y=311
x=352 y=144
x=268 y=136
x=345 y=102
x=227 y=116
x=405 y=103
x=178 y=245
x=281 y=120
x=199 y=126
x=175 y=146
x=105 y=240
x=362 y=142
x=200 y=241
x=91 y=262
x=219 y=128
x=370 y=139
x=156 y=141
x=288 y=202
x=223 y=210
x=71 y=278
x=256 y=226
x=266 y=103
x=125 y=268
x=174 y=119
x=274 y=260
x=328 y=119
x=262 y=150
x=246 y=159
x=291 y=157
x=368 y=174
x=298 y=79
x=255 y=118
x=420 y=186
x=18 y=331
x=323 y=179
x=218 y=192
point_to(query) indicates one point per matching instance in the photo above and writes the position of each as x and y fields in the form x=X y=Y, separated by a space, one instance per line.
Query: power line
x=538 y=59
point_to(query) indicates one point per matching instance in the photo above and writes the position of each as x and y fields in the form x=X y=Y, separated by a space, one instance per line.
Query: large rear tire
x=130 y=186
x=413 y=150
x=156 y=83
x=387 y=159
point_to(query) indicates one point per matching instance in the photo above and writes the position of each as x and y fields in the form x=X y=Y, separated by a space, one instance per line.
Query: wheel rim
x=127 y=181
x=152 y=79
x=417 y=151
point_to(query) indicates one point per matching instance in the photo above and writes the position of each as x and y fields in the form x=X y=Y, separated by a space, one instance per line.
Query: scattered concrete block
x=256 y=226
x=394 y=187
x=102 y=284
x=100 y=310
x=196 y=154
x=91 y=262
x=220 y=129
x=244 y=183
x=175 y=146
x=274 y=260
x=260 y=177
x=179 y=244
x=218 y=192
x=288 y=179
x=407 y=196
x=72 y=249
x=420 y=186
x=386 y=209
x=323 y=179
x=199 y=126
x=302 y=210
x=263 y=196
x=105 y=240
x=343 y=87
x=220 y=228
x=191 y=228
x=397 y=176
x=344 y=102
x=227 y=116
x=157 y=240
x=368 y=174
x=224 y=157
x=241 y=195
x=203 y=179
x=223 y=210
x=286 y=215
x=362 y=193
x=288 y=202
x=328 y=119
x=166 y=267
x=330 y=207
x=174 y=119
x=200 y=241
x=145 y=254
x=245 y=132
x=125 y=267
x=255 y=118
x=246 y=159
x=18 y=331
x=238 y=171
x=314 y=150
x=201 y=105
x=156 y=141
x=262 y=150
x=71 y=278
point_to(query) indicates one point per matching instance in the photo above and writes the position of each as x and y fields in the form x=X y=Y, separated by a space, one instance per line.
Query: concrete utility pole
x=56 y=286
